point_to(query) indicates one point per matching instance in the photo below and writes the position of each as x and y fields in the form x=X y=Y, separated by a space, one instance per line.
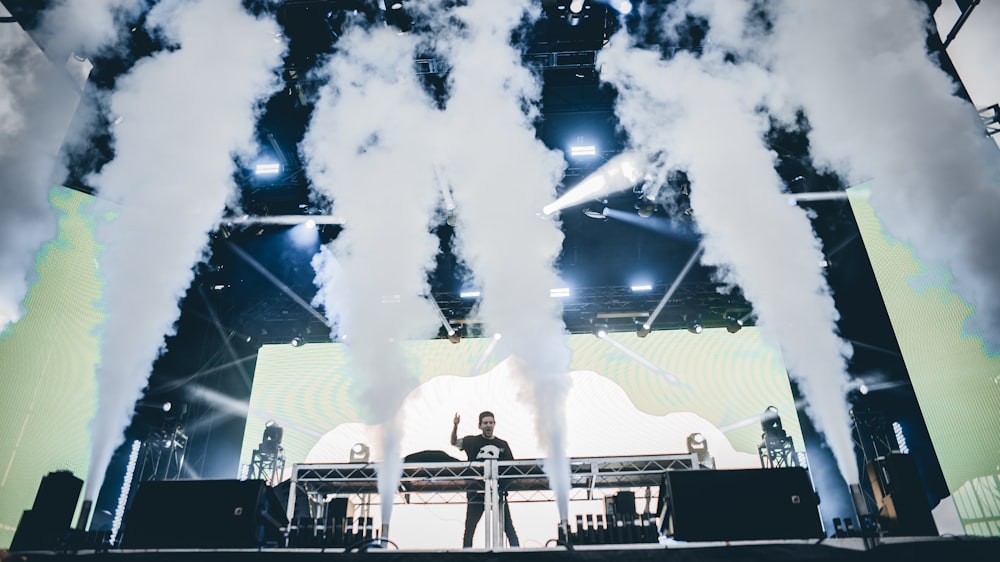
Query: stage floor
x=893 y=549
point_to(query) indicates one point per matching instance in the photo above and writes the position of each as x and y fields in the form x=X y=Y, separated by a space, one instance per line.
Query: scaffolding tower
x=267 y=466
x=268 y=460
x=776 y=449
x=163 y=454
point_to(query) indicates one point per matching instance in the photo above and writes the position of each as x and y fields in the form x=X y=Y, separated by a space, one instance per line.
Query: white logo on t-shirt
x=488 y=452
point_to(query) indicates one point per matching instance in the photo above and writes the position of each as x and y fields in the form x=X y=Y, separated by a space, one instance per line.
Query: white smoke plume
x=184 y=112
x=880 y=108
x=38 y=97
x=703 y=113
x=27 y=158
x=501 y=177
x=367 y=148
x=83 y=28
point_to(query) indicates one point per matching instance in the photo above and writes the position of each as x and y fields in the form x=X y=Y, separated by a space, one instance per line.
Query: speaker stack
x=47 y=523
x=755 y=504
x=903 y=509
x=203 y=514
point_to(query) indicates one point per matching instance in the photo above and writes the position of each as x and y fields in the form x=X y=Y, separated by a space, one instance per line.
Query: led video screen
x=955 y=377
x=47 y=361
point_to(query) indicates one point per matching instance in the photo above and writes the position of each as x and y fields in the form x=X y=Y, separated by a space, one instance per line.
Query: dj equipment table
x=523 y=480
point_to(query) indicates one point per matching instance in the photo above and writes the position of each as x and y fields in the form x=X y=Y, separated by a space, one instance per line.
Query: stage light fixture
x=623 y=6
x=596 y=215
x=601 y=330
x=696 y=328
x=453 y=334
x=646 y=209
x=583 y=150
x=698 y=445
x=297 y=341
x=641 y=329
x=644 y=288
x=559 y=293
x=573 y=15
x=360 y=452
x=271 y=440
x=733 y=325
x=770 y=421
x=776 y=448
x=469 y=294
x=267 y=168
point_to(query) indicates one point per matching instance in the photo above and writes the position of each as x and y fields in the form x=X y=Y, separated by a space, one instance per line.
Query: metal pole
x=492 y=504
x=290 y=512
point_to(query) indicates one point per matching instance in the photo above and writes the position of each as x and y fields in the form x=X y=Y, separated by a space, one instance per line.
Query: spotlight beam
x=617 y=174
x=277 y=282
x=281 y=219
x=444 y=321
x=670 y=378
x=875 y=348
x=851 y=238
x=648 y=324
x=223 y=404
x=180 y=382
x=485 y=355
x=660 y=225
x=816 y=196
x=754 y=419
x=226 y=338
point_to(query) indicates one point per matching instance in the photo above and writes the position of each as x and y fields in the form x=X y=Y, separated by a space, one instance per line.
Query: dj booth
x=693 y=503
x=449 y=482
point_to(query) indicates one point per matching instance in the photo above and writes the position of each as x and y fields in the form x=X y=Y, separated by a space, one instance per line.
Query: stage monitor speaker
x=48 y=521
x=620 y=505
x=303 y=506
x=903 y=509
x=754 y=504
x=203 y=514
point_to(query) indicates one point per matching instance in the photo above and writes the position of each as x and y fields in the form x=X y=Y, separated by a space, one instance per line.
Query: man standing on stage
x=478 y=448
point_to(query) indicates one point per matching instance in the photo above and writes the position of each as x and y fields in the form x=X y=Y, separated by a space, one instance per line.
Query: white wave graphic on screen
x=601 y=421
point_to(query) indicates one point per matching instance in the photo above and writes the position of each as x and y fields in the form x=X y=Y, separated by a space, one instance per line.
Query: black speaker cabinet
x=903 y=509
x=203 y=514
x=755 y=504
x=48 y=521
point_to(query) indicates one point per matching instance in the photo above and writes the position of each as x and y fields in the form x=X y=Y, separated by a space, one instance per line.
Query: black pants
x=474 y=513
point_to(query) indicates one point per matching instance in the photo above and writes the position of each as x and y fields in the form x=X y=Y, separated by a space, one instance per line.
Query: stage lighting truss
x=268 y=460
x=162 y=455
x=776 y=449
x=448 y=482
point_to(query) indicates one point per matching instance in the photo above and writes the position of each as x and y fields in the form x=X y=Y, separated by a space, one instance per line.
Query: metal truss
x=267 y=466
x=777 y=452
x=449 y=482
x=991 y=119
x=618 y=306
x=163 y=455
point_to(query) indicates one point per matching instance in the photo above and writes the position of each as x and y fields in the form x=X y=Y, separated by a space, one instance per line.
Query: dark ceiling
x=600 y=257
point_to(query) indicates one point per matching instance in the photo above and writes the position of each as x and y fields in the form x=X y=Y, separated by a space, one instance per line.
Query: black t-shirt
x=480 y=448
